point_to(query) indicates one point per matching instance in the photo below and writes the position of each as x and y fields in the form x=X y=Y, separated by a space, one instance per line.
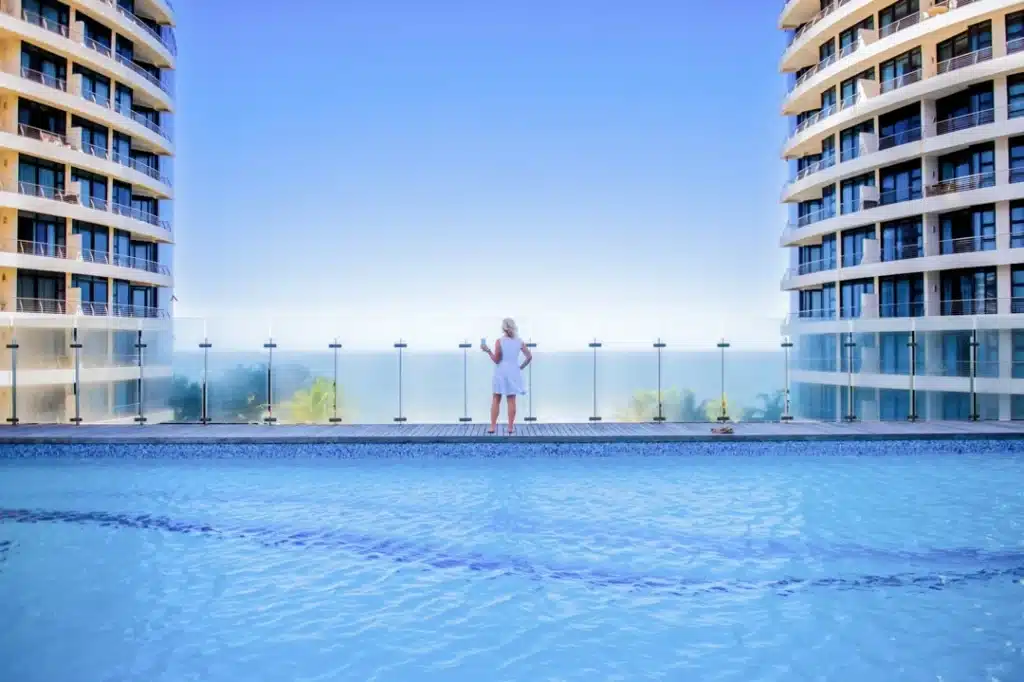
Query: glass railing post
x=141 y=348
x=594 y=345
x=912 y=345
x=76 y=346
x=204 y=398
x=270 y=346
x=13 y=347
x=849 y=345
x=723 y=415
x=787 y=345
x=974 y=416
x=401 y=346
x=335 y=347
x=529 y=384
x=660 y=417
x=465 y=383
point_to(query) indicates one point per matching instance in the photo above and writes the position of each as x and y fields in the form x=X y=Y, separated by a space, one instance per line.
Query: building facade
x=86 y=100
x=906 y=207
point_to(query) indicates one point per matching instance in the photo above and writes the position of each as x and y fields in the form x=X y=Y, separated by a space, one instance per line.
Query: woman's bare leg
x=495 y=408
x=511 y=400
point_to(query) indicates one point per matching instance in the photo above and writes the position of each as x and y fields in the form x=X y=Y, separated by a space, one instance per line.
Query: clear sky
x=423 y=168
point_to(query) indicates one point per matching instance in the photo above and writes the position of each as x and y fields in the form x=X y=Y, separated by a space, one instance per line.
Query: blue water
x=875 y=561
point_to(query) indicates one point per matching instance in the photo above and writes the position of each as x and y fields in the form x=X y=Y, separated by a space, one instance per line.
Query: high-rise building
x=906 y=201
x=85 y=207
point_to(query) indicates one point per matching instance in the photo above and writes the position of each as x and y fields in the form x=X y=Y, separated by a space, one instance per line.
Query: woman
x=508 y=373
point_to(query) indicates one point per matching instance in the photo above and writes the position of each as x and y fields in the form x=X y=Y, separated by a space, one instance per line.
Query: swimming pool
x=719 y=561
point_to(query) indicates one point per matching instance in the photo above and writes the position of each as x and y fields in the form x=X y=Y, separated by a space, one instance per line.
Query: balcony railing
x=140 y=215
x=896 y=139
x=964 y=183
x=965 y=121
x=47 y=192
x=46 y=79
x=900 y=24
x=41 y=135
x=168 y=42
x=51 y=250
x=963 y=60
x=39 y=20
x=144 y=168
x=44 y=306
x=970 y=244
x=30 y=248
x=1014 y=46
x=896 y=196
x=94 y=150
x=815 y=167
x=900 y=81
x=144 y=73
x=94 y=308
x=811 y=267
x=64 y=196
x=142 y=120
x=813 y=217
x=825 y=11
x=897 y=252
x=97 y=46
x=824 y=113
x=135 y=263
x=970 y=306
x=901 y=309
x=126 y=310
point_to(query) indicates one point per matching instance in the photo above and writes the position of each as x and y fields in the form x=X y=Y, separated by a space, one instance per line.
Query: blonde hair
x=508 y=326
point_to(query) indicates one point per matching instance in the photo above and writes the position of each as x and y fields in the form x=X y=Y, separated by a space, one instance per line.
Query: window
x=902 y=70
x=44 y=67
x=40 y=286
x=1016 y=159
x=967 y=231
x=889 y=17
x=849 y=37
x=968 y=169
x=818 y=257
x=903 y=239
x=894 y=352
x=122 y=150
x=849 y=140
x=899 y=127
x=41 y=235
x=40 y=117
x=900 y=183
x=95 y=87
x=826 y=50
x=966 y=109
x=97 y=36
x=95 y=241
x=1017 y=289
x=819 y=304
x=850 y=296
x=1016 y=224
x=94 y=188
x=851 y=193
x=1015 y=32
x=146 y=209
x=122 y=195
x=976 y=37
x=94 y=293
x=1015 y=95
x=53 y=16
x=848 y=88
x=828 y=99
x=125 y=49
x=853 y=245
x=123 y=100
x=40 y=178
x=901 y=296
x=969 y=292
x=94 y=136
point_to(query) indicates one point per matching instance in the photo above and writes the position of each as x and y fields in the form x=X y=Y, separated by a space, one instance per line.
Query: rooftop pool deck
x=527 y=433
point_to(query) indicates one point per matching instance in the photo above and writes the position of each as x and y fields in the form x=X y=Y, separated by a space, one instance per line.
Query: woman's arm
x=529 y=357
x=495 y=354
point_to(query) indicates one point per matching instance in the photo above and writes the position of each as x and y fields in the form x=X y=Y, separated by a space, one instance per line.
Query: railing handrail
x=39 y=20
x=136 y=263
x=905 y=133
x=899 y=25
x=64 y=195
x=44 y=79
x=810 y=169
x=144 y=168
x=168 y=44
x=42 y=134
x=962 y=60
x=967 y=244
x=44 y=306
x=124 y=61
x=902 y=80
x=952 y=123
x=961 y=183
x=811 y=267
x=813 y=217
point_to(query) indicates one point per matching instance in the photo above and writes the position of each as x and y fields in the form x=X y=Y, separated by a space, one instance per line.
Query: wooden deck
x=525 y=433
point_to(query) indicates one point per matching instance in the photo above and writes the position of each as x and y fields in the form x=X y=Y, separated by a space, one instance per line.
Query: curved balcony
x=70 y=203
x=71 y=258
x=828 y=16
x=92 y=53
x=138 y=30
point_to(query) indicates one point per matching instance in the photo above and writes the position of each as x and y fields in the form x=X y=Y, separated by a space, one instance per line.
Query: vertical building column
x=1002 y=225
x=928 y=113
x=999 y=38
x=1004 y=289
x=1000 y=98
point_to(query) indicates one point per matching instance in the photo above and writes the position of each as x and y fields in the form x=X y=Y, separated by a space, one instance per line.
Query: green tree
x=677 y=406
x=711 y=409
x=186 y=399
x=313 y=405
x=772 y=406
x=239 y=394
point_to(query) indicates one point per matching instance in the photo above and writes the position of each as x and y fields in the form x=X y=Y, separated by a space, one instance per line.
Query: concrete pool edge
x=242 y=434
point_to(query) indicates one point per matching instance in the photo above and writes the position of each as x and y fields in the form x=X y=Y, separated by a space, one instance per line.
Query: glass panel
x=45 y=354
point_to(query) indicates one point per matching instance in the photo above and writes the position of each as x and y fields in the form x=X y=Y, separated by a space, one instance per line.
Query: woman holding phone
x=508 y=373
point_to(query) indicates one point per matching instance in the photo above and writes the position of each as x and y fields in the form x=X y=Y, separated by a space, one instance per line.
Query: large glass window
x=1017 y=289
x=900 y=183
x=38 y=177
x=123 y=102
x=1016 y=159
x=851 y=193
x=849 y=37
x=853 y=245
x=95 y=241
x=899 y=127
x=1015 y=32
x=43 y=67
x=1015 y=95
x=966 y=109
x=969 y=230
x=901 y=70
x=826 y=50
x=849 y=140
x=54 y=16
x=94 y=136
x=95 y=87
x=122 y=150
x=848 y=88
x=902 y=239
x=40 y=286
x=94 y=188
x=94 y=293
x=97 y=36
x=969 y=292
x=851 y=293
x=976 y=37
x=41 y=235
x=901 y=296
x=1016 y=224
x=819 y=304
x=967 y=169
x=125 y=49
x=891 y=18
x=818 y=257
x=34 y=117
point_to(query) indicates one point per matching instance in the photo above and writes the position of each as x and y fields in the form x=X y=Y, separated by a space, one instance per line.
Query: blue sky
x=423 y=168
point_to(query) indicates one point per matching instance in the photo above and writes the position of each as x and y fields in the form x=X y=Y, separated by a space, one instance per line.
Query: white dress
x=508 y=378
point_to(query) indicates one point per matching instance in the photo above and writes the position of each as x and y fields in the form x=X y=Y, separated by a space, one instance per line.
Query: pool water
x=801 y=561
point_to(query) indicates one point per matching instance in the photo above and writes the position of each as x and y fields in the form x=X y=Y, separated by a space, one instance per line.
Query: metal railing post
x=786 y=416
x=912 y=345
x=660 y=417
x=594 y=345
x=335 y=347
x=141 y=347
x=974 y=416
x=13 y=347
x=401 y=346
x=77 y=347
x=851 y=415
x=465 y=382
x=270 y=346
x=204 y=415
x=529 y=384
x=724 y=415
